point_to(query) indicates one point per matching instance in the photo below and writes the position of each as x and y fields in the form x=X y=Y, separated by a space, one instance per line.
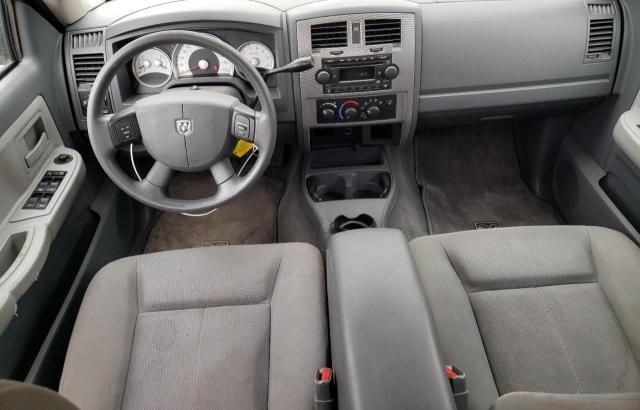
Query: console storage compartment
x=384 y=348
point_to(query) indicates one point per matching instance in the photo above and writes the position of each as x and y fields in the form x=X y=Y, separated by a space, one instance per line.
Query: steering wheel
x=186 y=130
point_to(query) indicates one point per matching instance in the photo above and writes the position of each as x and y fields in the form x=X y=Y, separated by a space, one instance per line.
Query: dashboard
x=423 y=60
x=154 y=68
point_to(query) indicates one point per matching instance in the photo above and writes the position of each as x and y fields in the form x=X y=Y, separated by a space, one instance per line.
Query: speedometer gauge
x=258 y=55
x=152 y=68
x=195 y=61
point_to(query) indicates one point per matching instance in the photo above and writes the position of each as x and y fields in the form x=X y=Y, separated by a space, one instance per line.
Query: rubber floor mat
x=249 y=219
x=470 y=175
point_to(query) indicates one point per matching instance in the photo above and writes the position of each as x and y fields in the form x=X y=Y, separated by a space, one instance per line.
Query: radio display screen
x=362 y=73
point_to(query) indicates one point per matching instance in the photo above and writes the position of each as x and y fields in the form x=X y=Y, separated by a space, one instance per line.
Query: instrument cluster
x=155 y=67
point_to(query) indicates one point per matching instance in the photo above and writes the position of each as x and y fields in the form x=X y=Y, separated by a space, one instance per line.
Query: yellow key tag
x=242 y=147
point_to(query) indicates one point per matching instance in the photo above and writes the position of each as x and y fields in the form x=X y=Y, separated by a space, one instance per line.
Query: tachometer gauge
x=152 y=68
x=258 y=55
x=194 y=61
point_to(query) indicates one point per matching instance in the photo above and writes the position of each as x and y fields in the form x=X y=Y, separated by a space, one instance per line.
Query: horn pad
x=186 y=130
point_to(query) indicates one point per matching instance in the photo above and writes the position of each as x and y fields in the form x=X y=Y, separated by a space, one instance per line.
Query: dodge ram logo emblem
x=184 y=127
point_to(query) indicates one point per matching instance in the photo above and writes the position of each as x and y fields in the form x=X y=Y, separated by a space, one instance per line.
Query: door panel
x=40 y=179
x=43 y=209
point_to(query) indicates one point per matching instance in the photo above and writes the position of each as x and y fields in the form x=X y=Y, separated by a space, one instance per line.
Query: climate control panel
x=340 y=110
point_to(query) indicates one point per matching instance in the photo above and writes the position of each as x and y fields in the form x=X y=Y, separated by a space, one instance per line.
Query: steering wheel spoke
x=222 y=171
x=159 y=175
x=262 y=138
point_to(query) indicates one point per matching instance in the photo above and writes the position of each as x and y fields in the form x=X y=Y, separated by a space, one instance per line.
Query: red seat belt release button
x=324 y=389
x=458 y=382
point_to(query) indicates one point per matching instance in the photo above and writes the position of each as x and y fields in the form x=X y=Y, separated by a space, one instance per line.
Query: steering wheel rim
x=152 y=189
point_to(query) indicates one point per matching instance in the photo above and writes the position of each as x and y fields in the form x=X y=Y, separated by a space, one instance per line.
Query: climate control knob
x=349 y=110
x=350 y=113
x=373 y=111
x=391 y=72
x=328 y=112
x=323 y=77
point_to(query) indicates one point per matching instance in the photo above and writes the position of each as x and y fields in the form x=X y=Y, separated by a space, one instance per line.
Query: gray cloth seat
x=552 y=310
x=241 y=327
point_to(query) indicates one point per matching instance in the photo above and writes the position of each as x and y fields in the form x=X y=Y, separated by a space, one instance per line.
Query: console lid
x=384 y=349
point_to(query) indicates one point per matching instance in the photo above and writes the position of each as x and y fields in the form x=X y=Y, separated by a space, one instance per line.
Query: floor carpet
x=470 y=179
x=249 y=219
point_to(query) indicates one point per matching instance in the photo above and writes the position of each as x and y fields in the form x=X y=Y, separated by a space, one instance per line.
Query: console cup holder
x=349 y=185
x=362 y=221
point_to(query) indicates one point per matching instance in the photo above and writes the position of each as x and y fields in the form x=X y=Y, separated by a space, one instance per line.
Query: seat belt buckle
x=324 y=389
x=458 y=382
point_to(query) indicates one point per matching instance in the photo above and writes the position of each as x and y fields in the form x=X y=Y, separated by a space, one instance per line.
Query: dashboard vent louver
x=87 y=66
x=382 y=31
x=86 y=40
x=601 y=9
x=329 y=35
x=601 y=35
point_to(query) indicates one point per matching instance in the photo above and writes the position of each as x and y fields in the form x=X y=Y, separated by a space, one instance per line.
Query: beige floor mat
x=250 y=219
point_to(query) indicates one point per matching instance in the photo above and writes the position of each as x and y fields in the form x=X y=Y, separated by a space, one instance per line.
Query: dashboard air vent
x=86 y=67
x=601 y=35
x=382 y=31
x=329 y=35
x=86 y=40
x=601 y=9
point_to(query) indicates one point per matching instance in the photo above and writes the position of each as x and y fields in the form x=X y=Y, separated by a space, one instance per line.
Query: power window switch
x=31 y=203
x=43 y=202
x=52 y=187
x=42 y=187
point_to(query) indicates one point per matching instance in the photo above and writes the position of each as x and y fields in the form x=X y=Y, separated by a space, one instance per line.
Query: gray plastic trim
x=480 y=54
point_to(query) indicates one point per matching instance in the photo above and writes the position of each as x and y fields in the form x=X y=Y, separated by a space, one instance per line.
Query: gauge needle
x=190 y=69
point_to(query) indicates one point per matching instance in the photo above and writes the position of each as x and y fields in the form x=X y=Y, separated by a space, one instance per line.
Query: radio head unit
x=357 y=74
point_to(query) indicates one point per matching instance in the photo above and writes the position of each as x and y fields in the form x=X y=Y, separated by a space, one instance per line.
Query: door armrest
x=627 y=134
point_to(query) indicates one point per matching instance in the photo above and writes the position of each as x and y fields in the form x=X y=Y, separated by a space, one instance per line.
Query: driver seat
x=239 y=327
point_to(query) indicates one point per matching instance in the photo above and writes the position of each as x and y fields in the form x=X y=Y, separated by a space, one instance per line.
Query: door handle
x=34 y=154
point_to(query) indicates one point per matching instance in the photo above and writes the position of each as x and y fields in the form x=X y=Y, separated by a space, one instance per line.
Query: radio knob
x=391 y=72
x=328 y=113
x=323 y=77
x=373 y=111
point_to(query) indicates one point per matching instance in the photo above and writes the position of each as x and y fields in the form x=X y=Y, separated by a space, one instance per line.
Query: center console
x=359 y=96
x=363 y=79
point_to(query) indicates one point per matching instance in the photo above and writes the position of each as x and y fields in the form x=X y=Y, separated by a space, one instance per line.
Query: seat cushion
x=240 y=327
x=535 y=309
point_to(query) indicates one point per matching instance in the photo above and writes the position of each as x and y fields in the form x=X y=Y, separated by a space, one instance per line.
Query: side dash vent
x=329 y=35
x=86 y=40
x=383 y=31
x=601 y=35
x=602 y=31
x=601 y=9
x=86 y=67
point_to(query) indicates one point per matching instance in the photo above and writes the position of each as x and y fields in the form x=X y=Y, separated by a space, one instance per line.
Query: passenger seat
x=536 y=317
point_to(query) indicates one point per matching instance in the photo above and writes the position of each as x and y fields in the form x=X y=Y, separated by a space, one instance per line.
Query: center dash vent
x=601 y=35
x=329 y=35
x=382 y=31
x=86 y=40
x=86 y=67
